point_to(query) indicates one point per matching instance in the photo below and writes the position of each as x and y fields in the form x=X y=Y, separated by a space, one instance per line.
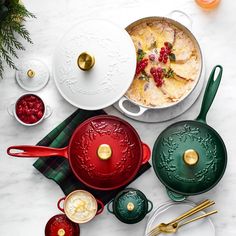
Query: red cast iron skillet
x=128 y=152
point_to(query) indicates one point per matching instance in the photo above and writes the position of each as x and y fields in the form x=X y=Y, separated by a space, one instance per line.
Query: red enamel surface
x=58 y=222
x=30 y=108
x=127 y=152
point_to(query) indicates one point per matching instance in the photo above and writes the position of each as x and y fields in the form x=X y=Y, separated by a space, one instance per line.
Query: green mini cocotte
x=189 y=157
x=130 y=206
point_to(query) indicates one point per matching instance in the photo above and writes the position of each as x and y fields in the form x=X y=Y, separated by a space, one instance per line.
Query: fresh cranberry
x=30 y=109
x=141 y=65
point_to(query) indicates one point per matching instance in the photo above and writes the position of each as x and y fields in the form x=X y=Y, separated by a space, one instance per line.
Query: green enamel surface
x=168 y=161
x=140 y=206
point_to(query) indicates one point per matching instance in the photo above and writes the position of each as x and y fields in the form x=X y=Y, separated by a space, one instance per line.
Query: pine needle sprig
x=12 y=15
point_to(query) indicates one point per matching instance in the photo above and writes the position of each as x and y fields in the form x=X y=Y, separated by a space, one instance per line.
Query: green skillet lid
x=130 y=206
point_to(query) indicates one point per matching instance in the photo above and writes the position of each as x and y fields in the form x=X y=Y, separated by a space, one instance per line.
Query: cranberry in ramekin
x=30 y=110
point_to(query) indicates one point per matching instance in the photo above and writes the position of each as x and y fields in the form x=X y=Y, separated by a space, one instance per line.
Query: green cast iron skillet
x=189 y=157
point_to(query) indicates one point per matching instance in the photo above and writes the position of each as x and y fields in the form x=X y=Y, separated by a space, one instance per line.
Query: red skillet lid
x=60 y=225
x=105 y=152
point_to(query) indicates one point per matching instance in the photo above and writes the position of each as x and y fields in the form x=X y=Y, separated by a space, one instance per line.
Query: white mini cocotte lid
x=94 y=64
x=32 y=74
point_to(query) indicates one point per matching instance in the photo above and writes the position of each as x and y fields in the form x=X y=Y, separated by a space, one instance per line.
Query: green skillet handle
x=210 y=92
x=175 y=196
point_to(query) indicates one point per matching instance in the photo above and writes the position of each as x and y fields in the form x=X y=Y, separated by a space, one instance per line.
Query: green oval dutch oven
x=130 y=206
x=189 y=157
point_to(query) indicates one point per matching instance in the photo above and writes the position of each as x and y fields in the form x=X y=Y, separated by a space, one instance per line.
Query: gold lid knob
x=104 y=152
x=130 y=206
x=30 y=73
x=61 y=232
x=85 y=61
x=191 y=157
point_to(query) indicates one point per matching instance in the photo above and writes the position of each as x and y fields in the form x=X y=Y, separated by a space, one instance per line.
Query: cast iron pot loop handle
x=151 y=206
x=176 y=197
x=102 y=207
x=146 y=153
x=59 y=204
x=36 y=151
x=130 y=113
x=108 y=206
x=210 y=92
x=182 y=17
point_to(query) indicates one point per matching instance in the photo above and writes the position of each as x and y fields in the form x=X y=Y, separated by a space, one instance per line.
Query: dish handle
x=182 y=17
x=36 y=151
x=176 y=197
x=59 y=204
x=151 y=206
x=210 y=92
x=48 y=112
x=10 y=109
x=102 y=207
x=130 y=113
x=146 y=153
x=108 y=206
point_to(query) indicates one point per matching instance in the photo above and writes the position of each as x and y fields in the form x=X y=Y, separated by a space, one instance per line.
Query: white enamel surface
x=112 y=74
x=28 y=199
x=169 y=211
x=41 y=74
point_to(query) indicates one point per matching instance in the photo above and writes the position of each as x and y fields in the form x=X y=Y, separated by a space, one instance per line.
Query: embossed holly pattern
x=194 y=134
x=116 y=131
x=130 y=197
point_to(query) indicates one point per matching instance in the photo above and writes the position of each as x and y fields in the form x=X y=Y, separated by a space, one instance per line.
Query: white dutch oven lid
x=94 y=64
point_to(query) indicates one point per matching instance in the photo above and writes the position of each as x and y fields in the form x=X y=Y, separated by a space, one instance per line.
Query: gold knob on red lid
x=61 y=232
x=104 y=151
x=30 y=73
x=85 y=61
x=191 y=157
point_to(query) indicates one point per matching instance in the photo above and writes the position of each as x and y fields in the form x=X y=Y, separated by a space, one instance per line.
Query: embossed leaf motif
x=130 y=197
x=210 y=167
x=167 y=161
x=188 y=132
x=116 y=131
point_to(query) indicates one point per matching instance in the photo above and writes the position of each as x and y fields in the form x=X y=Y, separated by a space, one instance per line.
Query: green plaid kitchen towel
x=58 y=169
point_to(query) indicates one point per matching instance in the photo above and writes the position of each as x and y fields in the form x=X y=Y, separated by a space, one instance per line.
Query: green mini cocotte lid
x=130 y=206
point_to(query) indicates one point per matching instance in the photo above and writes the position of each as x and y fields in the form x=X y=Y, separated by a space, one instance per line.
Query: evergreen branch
x=7 y=58
x=1 y=69
x=12 y=15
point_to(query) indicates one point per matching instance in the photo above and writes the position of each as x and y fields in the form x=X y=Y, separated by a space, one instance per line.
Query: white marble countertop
x=27 y=198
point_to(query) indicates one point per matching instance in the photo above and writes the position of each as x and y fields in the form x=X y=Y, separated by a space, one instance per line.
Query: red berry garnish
x=141 y=65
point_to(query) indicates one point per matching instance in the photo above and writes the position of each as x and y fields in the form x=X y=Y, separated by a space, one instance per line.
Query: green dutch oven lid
x=130 y=206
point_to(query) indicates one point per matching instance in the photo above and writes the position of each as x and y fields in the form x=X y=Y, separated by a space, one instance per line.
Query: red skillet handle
x=146 y=153
x=36 y=151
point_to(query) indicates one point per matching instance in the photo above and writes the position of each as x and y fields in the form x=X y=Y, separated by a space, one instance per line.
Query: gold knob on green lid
x=130 y=206
x=191 y=157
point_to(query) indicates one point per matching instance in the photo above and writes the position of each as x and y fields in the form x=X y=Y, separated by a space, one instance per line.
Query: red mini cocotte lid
x=60 y=225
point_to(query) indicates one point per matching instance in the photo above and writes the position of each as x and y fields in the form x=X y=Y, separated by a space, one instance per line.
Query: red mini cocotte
x=29 y=110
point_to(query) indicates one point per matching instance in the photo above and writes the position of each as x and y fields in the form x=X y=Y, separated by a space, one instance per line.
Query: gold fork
x=174 y=224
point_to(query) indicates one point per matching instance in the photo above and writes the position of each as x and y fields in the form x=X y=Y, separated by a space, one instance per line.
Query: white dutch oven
x=95 y=62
